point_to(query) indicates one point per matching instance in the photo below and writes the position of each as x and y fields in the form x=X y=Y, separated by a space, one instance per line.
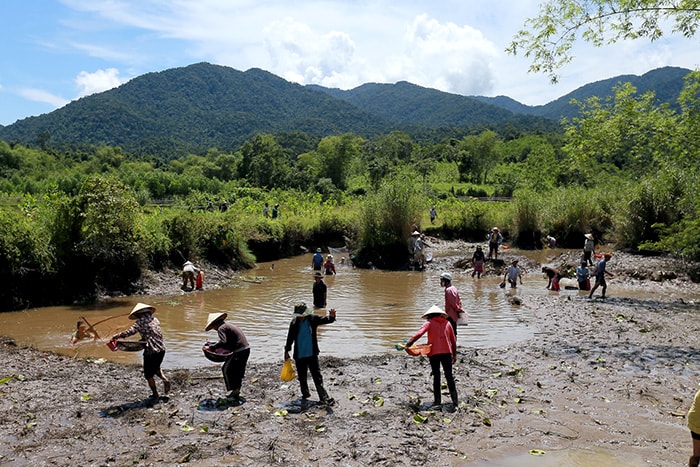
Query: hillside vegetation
x=86 y=220
x=187 y=110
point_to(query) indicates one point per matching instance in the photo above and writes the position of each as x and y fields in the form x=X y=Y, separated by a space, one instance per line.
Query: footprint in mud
x=302 y=405
x=118 y=410
x=221 y=403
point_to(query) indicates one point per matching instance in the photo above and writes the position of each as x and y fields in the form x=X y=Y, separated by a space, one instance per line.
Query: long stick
x=90 y=328
x=107 y=319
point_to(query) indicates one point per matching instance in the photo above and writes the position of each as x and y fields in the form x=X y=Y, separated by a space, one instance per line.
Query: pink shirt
x=440 y=336
x=453 y=304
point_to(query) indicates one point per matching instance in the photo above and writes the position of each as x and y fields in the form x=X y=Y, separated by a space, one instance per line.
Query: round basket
x=217 y=355
x=419 y=349
x=131 y=346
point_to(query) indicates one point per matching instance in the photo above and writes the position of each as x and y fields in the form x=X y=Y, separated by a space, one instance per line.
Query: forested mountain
x=201 y=106
x=666 y=83
x=192 y=109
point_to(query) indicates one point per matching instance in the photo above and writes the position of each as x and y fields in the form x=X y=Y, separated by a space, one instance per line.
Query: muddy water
x=376 y=309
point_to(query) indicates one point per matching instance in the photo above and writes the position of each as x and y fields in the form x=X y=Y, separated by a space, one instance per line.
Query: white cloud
x=305 y=56
x=447 y=57
x=39 y=95
x=101 y=80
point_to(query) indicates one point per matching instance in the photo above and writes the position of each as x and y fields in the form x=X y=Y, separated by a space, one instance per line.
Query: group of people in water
x=440 y=326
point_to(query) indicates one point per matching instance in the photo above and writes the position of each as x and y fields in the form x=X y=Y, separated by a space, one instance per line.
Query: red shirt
x=440 y=335
x=453 y=304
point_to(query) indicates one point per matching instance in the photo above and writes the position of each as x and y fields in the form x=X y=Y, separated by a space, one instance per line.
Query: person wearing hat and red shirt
x=231 y=338
x=149 y=327
x=302 y=335
x=443 y=351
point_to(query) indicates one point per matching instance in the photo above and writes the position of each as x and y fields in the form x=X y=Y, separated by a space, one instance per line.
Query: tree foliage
x=549 y=37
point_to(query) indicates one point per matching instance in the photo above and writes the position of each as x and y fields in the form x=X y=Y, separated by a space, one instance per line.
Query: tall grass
x=387 y=219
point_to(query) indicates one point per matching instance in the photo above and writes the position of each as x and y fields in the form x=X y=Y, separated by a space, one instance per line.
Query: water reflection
x=376 y=309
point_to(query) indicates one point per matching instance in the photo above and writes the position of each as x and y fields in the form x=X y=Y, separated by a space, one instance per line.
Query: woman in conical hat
x=232 y=339
x=149 y=327
x=443 y=350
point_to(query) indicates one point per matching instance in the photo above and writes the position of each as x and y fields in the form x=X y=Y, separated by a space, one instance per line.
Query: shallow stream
x=376 y=309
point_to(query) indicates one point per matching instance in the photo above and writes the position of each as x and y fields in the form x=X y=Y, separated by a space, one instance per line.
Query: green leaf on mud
x=320 y=428
x=6 y=379
x=620 y=318
x=204 y=429
x=446 y=420
x=515 y=371
x=85 y=397
x=187 y=428
x=358 y=414
x=491 y=392
x=351 y=396
x=378 y=381
x=537 y=452
x=517 y=400
x=281 y=413
x=605 y=399
x=418 y=418
x=496 y=375
x=643 y=330
x=378 y=401
x=504 y=404
x=538 y=411
x=487 y=421
x=20 y=377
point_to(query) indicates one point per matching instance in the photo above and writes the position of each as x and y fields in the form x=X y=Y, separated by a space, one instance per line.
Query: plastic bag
x=288 y=373
x=463 y=320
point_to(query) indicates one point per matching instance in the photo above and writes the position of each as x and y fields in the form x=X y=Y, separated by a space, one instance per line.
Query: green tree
x=335 y=154
x=478 y=155
x=263 y=162
x=108 y=233
x=626 y=132
x=549 y=37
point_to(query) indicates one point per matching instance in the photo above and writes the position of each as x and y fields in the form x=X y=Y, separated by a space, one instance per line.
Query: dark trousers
x=304 y=365
x=454 y=324
x=234 y=370
x=444 y=360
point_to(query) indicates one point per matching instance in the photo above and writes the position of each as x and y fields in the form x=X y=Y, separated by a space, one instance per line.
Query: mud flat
x=603 y=382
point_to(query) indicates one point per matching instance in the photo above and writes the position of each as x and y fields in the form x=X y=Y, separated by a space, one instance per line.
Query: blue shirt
x=303 y=345
x=317 y=261
x=600 y=269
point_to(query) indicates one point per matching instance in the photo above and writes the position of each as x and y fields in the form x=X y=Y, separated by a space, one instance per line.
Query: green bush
x=526 y=209
x=386 y=222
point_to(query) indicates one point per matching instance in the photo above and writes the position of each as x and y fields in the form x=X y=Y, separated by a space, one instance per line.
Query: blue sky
x=55 y=51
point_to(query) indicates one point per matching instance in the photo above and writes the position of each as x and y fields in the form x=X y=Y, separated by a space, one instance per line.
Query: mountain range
x=201 y=106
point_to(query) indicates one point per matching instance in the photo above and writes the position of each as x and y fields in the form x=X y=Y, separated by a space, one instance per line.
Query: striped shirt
x=149 y=327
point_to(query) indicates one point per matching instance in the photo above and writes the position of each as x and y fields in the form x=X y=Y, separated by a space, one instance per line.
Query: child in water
x=81 y=332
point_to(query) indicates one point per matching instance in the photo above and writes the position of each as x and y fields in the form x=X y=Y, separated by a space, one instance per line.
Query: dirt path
x=611 y=379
